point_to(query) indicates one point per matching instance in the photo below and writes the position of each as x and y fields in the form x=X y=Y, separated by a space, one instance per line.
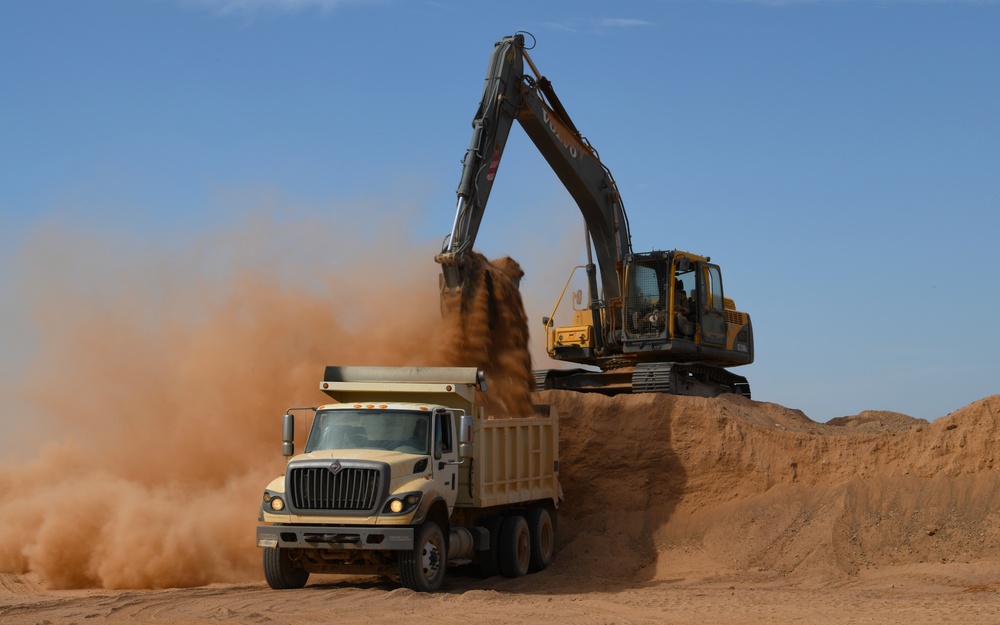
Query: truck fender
x=433 y=506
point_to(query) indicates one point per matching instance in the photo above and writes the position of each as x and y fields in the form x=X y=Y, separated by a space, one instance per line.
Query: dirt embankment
x=753 y=489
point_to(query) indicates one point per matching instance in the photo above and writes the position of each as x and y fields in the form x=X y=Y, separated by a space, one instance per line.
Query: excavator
x=654 y=321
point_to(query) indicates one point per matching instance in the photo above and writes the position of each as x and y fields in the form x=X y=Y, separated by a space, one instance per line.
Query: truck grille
x=320 y=488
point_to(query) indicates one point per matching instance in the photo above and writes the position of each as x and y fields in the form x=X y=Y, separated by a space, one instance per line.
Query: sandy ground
x=680 y=510
x=891 y=595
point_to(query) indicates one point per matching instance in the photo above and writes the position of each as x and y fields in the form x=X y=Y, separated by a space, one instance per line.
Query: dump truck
x=404 y=475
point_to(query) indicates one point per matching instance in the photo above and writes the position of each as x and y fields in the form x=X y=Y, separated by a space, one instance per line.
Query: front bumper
x=335 y=537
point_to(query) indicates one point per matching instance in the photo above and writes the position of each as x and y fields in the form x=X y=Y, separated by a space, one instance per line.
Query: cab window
x=442 y=434
x=713 y=289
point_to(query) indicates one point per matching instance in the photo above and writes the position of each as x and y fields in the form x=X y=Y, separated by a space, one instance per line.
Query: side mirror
x=465 y=438
x=288 y=436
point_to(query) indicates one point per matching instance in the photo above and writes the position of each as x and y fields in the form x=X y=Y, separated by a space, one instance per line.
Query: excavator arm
x=510 y=94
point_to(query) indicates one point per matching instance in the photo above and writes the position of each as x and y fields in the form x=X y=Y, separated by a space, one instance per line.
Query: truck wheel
x=281 y=572
x=488 y=564
x=514 y=550
x=543 y=538
x=422 y=568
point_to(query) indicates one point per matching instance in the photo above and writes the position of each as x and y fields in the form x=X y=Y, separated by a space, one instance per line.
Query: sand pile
x=726 y=486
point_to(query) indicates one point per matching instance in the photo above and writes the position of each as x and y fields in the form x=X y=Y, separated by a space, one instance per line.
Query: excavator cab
x=662 y=297
x=647 y=299
x=674 y=302
x=672 y=330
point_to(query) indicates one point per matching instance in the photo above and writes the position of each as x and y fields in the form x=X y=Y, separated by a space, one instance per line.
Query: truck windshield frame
x=405 y=431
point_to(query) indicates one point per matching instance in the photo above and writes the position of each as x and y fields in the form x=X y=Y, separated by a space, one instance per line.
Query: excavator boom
x=508 y=95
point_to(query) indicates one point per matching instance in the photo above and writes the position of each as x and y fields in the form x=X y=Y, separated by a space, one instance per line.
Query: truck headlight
x=402 y=503
x=277 y=504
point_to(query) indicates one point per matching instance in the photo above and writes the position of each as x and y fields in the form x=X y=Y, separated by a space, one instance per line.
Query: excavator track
x=675 y=378
x=687 y=379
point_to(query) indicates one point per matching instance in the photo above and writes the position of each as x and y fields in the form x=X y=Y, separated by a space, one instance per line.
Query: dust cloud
x=159 y=379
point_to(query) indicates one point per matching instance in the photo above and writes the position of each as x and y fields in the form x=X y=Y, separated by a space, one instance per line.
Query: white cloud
x=246 y=8
x=620 y=22
x=597 y=25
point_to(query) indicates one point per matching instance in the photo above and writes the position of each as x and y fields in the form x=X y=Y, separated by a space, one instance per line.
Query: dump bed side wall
x=516 y=460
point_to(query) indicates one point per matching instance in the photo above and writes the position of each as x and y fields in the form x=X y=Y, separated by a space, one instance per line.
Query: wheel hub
x=430 y=559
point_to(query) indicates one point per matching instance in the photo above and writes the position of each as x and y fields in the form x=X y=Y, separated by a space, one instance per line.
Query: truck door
x=711 y=310
x=445 y=455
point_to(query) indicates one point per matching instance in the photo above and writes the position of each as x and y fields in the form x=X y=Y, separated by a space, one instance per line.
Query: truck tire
x=514 y=550
x=422 y=568
x=281 y=572
x=488 y=564
x=543 y=538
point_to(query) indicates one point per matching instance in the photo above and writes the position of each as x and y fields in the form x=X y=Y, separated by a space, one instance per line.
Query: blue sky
x=840 y=160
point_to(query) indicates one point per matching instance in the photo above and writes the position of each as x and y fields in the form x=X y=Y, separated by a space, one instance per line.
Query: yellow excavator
x=655 y=321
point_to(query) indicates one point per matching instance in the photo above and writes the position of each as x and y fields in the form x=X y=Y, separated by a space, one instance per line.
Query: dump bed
x=515 y=460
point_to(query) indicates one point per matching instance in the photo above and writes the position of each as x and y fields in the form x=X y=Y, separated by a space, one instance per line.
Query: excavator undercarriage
x=677 y=378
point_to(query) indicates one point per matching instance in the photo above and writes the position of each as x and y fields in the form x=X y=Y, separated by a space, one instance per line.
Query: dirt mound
x=654 y=483
x=878 y=421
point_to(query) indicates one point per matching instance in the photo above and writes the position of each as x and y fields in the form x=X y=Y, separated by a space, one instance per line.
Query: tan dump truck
x=405 y=475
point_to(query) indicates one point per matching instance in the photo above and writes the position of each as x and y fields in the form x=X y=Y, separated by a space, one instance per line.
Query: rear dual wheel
x=514 y=546
x=526 y=544
x=542 y=531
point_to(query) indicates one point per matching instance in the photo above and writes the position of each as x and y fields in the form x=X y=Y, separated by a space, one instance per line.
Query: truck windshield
x=397 y=430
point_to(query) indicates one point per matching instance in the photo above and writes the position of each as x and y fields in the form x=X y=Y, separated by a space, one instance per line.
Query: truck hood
x=402 y=465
